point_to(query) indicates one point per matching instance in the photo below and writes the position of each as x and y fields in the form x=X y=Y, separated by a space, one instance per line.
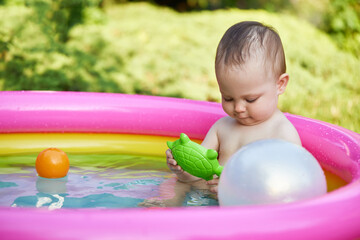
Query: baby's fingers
x=169 y=158
x=214 y=189
x=213 y=185
x=171 y=161
x=169 y=153
x=172 y=164
x=215 y=181
x=176 y=169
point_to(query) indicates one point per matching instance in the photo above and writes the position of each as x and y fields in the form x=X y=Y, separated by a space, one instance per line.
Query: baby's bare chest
x=232 y=139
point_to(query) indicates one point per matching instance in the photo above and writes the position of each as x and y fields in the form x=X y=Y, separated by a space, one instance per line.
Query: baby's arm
x=211 y=141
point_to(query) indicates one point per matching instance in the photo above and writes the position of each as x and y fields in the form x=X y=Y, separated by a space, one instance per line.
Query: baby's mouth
x=237 y=116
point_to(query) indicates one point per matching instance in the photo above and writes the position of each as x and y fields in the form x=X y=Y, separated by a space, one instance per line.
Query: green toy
x=194 y=158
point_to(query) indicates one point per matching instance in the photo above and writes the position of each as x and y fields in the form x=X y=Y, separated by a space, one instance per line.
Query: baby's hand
x=172 y=164
x=213 y=185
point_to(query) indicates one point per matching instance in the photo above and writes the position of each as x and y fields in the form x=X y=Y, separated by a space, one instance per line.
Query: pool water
x=97 y=181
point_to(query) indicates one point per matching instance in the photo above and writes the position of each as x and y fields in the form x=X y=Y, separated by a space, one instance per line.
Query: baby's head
x=251 y=72
x=251 y=41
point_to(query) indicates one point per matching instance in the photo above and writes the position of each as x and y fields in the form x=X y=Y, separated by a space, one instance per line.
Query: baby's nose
x=240 y=107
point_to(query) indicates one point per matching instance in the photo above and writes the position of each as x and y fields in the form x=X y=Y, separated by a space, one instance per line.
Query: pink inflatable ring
x=335 y=215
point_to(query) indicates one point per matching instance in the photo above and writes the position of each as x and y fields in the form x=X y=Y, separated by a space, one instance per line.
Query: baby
x=251 y=74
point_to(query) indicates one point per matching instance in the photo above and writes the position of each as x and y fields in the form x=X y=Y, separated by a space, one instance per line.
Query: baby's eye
x=227 y=99
x=251 y=100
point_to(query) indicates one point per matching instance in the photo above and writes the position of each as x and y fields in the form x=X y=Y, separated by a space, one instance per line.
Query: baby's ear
x=282 y=83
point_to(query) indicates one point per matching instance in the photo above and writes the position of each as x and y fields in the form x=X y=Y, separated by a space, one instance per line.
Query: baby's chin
x=248 y=121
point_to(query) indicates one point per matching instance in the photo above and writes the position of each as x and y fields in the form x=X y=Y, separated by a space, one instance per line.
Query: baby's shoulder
x=284 y=129
x=224 y=123
x=282 y=123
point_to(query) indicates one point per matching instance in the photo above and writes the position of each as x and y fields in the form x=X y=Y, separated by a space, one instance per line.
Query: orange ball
x=52 y=163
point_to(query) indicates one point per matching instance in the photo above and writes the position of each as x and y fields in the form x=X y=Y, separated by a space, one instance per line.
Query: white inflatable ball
x=270 y=172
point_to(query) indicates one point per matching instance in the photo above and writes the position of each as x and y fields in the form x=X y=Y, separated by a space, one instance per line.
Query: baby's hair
x=247 y=39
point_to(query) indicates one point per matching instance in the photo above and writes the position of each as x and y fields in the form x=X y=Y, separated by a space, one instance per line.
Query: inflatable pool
x=26 y=117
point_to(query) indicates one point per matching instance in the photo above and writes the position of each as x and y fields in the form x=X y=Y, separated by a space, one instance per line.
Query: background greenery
x=92 y=45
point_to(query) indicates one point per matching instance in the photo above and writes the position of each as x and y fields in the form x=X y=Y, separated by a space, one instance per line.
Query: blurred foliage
x=339 y=18
x=195 y=5
x=143 y=49
x=33 y=51
x=342 y=22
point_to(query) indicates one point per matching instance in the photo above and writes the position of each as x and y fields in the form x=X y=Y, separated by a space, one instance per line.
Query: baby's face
x=249 y=94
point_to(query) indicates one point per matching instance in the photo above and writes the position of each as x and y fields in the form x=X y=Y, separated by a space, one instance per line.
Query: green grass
x=143 y=49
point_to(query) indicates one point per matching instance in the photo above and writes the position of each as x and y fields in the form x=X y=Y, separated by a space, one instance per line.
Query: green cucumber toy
x=194 y=158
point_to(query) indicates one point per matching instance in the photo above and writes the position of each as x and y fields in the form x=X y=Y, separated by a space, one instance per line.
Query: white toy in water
x=270 y=172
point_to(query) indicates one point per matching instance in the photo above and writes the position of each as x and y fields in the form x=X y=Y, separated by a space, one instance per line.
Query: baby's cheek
x=261 y=111
x=227 y=109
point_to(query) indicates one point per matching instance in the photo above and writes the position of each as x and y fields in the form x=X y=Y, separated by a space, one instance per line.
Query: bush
x=342 y=22
x=143 y=49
